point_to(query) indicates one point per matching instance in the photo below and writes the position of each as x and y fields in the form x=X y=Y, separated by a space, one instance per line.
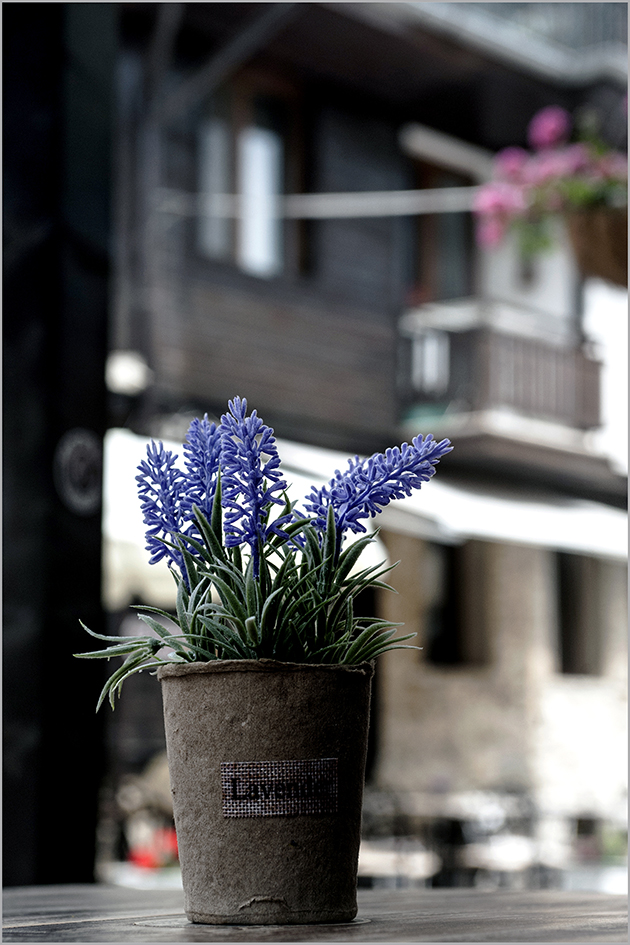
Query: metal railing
x=486 y=369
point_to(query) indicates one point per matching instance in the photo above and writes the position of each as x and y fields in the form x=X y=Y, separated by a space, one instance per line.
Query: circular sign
x=78 y=468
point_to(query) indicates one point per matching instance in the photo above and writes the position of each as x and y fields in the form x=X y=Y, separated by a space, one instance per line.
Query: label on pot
x=279 y=788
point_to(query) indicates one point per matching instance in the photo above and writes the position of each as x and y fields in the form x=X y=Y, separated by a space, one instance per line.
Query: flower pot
x=267 y=763
x=600 y=242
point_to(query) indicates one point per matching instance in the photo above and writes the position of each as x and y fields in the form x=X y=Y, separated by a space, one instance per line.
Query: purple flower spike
x=249 y=485
x=367 y=486
x=159 y=487
x=202 y=453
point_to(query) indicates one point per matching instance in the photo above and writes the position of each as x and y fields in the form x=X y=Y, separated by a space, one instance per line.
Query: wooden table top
x=103 y=913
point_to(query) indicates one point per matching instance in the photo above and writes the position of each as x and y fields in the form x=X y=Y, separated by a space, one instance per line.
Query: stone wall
x=504 y=720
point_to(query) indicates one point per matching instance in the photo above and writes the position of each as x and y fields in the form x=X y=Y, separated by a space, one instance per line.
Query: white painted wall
x=542 y=307
x=606 y=324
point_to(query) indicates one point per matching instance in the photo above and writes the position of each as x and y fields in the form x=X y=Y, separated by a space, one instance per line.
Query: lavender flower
x=159 y=487
x=367 y=486
x=202 y=452
x=301 y=611
x=248 y=484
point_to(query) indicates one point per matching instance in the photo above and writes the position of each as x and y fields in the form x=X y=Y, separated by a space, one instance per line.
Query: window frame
x=425 y=286
x=238 y=98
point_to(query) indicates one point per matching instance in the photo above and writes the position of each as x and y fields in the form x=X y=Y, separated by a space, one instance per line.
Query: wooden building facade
x=312 y=318
x=354 y=331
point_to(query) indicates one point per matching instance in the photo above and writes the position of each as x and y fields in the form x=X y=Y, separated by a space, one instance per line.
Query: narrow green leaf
x=251 y=591
x=349 y=557
x=329 y=550
x=111 y=651
x=250 y=628
x=216 y=516
x=119 y=674
x=100 y=636
x=230 y=600
x=166 y=637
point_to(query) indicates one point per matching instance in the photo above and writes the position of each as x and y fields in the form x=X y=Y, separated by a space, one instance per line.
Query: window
x=246 y=147
x=588 y=844
x=214 y=232
x=444 y=258
x=455 y=620
x=579 y=630
x=443 y=617
x=260 y=183
x=429 y=362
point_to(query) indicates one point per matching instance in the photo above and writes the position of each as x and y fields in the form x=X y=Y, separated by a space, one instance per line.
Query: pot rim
x=167 y=670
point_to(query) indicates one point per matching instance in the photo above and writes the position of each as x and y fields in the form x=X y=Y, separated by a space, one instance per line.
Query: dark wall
x=361 y=260
x=58 y=66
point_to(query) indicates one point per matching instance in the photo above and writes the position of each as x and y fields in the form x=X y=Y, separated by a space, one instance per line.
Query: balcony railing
x=481 y=369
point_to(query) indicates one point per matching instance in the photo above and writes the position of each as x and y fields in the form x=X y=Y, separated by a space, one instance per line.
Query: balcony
x=516 y=408
x=481 y=369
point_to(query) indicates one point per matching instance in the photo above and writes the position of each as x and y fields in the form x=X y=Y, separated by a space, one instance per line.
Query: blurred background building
x=273 y=200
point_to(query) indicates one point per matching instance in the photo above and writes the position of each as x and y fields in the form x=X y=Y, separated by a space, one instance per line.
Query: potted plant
x=266 y=675
x=584 y=182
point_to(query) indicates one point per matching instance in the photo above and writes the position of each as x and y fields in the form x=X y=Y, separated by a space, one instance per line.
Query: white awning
x=455 y=513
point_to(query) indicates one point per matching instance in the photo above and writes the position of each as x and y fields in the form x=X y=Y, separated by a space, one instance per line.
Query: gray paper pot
x=267 y=762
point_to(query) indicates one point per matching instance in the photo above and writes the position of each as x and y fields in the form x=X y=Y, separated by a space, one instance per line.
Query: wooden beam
x=392 y=203
x=387 y=203
x=227 y=60
x=168 y=20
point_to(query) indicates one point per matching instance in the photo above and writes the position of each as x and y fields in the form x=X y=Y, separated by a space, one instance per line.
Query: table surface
x=103 y=913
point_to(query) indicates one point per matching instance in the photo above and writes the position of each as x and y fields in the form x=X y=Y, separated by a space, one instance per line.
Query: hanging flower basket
x=584 y=182
x=600 y=242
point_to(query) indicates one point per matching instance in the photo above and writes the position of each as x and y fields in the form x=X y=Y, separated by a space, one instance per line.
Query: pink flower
x=552 y=165
x=496 y=204
x=544 y=167
x=509 y=164
x=499 y=198
x=614 y=166
x=549 y=127
x=489 y=231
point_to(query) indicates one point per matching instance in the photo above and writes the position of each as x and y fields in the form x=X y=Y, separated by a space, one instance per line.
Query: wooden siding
x=365 y=261
x=323 y=374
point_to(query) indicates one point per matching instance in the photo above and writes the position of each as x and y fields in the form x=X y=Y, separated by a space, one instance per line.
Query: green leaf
x=153 y=610
x=329 y=549
x=269 y=608
x=110 y=651
x=251 y=591
x=349 y=557
x=128 y=667
x=100 y=636
x=250 y=629
x=212 y=541
x=165 y=636
x=229 y=641
x=216 y=516
x=181 y=602
x=230 y=600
